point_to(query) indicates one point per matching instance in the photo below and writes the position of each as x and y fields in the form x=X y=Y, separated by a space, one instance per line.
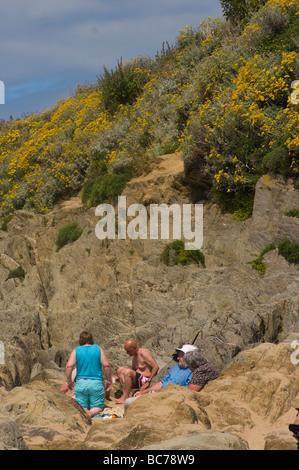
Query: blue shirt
x=88 y=362
x=177 y=376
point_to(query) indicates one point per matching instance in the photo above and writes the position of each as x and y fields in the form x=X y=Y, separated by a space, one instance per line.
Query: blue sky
x=47 y=47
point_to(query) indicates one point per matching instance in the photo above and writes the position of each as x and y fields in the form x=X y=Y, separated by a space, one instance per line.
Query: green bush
x=123 y=85
x=289 y=250
x=166 y=55
x=5 y=222
x=17 y=273
x=239 y=204
x=105 y=188
x=292 y=213
x=281 y=29
x=182 y=256
x=277 y=160
x=240 y=11
x=67 y=234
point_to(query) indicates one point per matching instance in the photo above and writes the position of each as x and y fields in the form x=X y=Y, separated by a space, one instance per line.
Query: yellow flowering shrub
x=46 y=155
x=221 y=96
x=245 y=124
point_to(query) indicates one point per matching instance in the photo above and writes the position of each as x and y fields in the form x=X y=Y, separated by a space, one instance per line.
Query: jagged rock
x=174 y=405
x=264 y=379
x=122 y=288
x=18 y=364
x=10 y=436
x=211 y=440
x=295 y=403
x=89 y=281
x=260 y=384
x=282 y=440
x=150 y=419
x=289 y=229
x=8 y=262
x=247 y=407
x=273 y=197
x=43 y=413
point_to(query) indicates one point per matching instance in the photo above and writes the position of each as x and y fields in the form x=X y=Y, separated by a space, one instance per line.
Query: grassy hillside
x=220 y=95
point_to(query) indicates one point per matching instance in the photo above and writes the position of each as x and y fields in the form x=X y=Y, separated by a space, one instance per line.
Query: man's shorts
x=89 y=393
x=140 y=380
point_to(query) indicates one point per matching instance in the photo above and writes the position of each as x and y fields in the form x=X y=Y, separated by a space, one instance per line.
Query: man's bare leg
x=154 y=388
x=94 y=411
x=127 y=379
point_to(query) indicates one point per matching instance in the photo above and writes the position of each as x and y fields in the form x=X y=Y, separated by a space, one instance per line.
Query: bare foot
x=121 y=400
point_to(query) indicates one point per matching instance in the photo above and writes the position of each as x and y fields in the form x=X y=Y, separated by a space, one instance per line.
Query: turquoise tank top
x=88 y=359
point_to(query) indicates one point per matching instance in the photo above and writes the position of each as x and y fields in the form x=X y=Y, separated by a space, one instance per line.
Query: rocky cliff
x=122 y=288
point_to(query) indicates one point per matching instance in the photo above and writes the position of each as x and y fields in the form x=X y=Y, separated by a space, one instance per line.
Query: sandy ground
x=257 y=435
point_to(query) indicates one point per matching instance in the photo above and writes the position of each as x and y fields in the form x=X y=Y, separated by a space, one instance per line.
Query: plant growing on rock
x=292 y=213
x=182 y=256
x=17 y=273
x=258 y=262
x=105 y=188
x=5 y=222
x=289 y=250
x=68 y=234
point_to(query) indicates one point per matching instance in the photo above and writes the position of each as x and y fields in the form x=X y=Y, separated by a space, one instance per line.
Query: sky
x=48 y=47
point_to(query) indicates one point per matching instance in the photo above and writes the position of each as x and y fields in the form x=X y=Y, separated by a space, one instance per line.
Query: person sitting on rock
x=144 y=368
x=178 y=375
x=90 y=386
x=203 y=371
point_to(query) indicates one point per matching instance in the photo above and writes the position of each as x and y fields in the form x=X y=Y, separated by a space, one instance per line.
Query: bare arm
x=154 y=388
x=195 y=388
x=69 y=368
x=148 y=358
x=150 y=361
x=106 y=365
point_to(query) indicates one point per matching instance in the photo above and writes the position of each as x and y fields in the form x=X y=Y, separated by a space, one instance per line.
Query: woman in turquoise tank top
x=90 y=386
